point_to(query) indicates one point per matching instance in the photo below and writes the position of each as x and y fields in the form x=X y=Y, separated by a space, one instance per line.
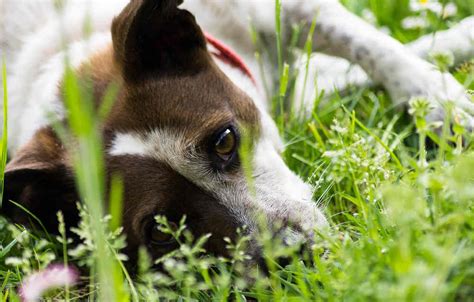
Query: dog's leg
x=331 y=73
x=458 y=40
x=386 y=61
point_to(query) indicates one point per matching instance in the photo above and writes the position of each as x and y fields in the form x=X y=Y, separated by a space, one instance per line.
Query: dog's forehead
x=198 y=104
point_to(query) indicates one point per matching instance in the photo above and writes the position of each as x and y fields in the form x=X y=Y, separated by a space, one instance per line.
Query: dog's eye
x=226 y=144
x=160 y=238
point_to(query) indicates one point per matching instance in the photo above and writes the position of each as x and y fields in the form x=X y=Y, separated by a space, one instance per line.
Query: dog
x=185 y=101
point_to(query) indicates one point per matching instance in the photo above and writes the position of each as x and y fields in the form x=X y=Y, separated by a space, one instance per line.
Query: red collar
x=227 y=55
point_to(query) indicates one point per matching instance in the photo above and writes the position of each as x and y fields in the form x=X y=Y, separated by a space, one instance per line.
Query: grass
x=401 y=211
x=4 y=141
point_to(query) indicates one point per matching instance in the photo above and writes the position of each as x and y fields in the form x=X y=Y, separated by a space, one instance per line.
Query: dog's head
x=174 y=134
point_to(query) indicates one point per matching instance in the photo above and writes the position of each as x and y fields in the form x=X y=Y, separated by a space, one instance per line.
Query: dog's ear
x=38 y=181
x=155 y=37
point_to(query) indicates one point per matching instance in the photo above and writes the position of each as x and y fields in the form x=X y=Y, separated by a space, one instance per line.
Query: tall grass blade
x=278 y=35
x=4 y=143
x=90 y=178
x=308 y=48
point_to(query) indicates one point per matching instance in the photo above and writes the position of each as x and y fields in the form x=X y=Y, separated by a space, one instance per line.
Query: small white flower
x=419 y=106
x=14 y=261
x=338 y=128
x=170 y=264
x=450 y=10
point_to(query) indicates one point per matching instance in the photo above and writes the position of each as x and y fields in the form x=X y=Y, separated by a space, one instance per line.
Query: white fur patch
x=128 y=144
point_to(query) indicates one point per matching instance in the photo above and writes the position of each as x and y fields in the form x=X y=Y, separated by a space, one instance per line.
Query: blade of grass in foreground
x=3 y=153
x=90 y=178
x=281 y=97
x=278 y=36
x=308 y=48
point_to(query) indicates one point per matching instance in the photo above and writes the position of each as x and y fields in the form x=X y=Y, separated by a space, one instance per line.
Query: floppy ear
x=37 y=180
x=154 y=37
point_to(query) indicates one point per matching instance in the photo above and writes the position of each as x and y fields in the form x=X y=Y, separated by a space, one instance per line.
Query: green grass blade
x=7 y=248
x=4 y=143
x=90 y=179
x=278 y=35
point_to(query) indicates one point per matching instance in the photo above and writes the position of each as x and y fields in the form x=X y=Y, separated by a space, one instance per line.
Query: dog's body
x=175 y=96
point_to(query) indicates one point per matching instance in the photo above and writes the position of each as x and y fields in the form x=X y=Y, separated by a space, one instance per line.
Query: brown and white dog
x=175 y=128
